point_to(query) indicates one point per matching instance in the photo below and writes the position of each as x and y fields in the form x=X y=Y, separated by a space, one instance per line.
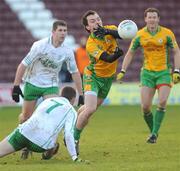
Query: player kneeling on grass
x=40 y=132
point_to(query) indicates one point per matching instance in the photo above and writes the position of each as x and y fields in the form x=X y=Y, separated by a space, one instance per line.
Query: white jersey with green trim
x=43 y=127
x=44 y=62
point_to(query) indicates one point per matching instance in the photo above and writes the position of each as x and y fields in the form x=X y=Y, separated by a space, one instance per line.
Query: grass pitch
x=114 y=140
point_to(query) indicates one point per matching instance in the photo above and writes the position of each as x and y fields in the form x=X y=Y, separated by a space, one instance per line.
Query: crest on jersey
x=160 y=41
x=108 y=41
x=175 y=42
x=95 y=53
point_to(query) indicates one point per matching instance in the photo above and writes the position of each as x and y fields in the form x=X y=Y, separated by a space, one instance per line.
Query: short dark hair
x=84 y=17
x=151 y=10
x=58 y=23
x=68 y=92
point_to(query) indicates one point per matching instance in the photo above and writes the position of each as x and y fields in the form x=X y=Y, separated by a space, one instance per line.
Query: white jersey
x=44 y=62
x=43 y=127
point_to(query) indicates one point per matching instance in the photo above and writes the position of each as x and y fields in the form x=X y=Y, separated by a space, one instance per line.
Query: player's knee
x=146 y=108
x=23 y=117
x=90 y=111
x=162 y=103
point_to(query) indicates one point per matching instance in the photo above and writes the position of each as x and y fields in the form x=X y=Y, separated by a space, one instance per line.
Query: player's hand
x=81 y=100
x=79 y=160
x=100 y=32
x=119 y=52
x=176 y=77
x=120 y=76
x=16 y=92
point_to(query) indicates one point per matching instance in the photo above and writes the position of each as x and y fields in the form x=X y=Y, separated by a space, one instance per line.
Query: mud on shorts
x=18 y=141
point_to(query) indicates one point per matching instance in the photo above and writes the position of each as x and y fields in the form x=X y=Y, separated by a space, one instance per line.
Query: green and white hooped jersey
x=44 y=62
x=50 y=117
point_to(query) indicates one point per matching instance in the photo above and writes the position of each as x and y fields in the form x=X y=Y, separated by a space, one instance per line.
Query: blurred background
x=24 y=21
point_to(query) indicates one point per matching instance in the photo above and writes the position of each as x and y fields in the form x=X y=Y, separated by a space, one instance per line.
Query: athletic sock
x=77 y=133
x=159 y=115
x=148 y=117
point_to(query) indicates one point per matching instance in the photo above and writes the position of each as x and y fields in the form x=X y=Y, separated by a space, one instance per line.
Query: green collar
x=94 y=37
x=153 y=33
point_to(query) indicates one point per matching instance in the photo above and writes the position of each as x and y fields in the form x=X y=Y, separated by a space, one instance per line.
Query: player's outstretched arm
x=176 y=73
x=126 y=62
x=78 y=82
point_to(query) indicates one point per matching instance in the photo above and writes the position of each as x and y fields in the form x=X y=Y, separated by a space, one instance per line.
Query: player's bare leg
x=81 y=109
x=5 y=148
x=147 y=95
x=84 y=114
x=163 y=93
x=27 y=110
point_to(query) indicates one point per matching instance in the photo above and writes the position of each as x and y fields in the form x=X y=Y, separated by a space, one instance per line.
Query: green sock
x=148 y=117
x=77 y=133
x=159 y=115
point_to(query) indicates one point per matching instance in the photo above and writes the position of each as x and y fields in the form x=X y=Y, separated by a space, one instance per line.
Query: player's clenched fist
x=176 y=76
x=120 y=75
x=16 y=92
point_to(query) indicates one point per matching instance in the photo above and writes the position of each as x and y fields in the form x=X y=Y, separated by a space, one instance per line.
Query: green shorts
x=154 y=79
x=32 y=92
x=97 y=84
x=18 y=141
